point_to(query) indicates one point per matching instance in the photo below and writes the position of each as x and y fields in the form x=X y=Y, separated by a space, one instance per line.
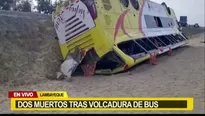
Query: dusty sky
x=193 y=9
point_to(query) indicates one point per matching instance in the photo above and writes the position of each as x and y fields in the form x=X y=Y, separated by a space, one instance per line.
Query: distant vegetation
x=43 y=6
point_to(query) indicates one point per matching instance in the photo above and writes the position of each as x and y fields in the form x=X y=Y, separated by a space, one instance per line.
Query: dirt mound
x=28 y=50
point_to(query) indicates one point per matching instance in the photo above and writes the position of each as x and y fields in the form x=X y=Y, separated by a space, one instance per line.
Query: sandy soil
x=180 y=75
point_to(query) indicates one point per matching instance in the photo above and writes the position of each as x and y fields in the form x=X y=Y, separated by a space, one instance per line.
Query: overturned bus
x=111 y=36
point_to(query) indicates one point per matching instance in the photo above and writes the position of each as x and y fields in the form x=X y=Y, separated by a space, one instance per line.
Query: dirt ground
x=180 y=75
x=189 y=31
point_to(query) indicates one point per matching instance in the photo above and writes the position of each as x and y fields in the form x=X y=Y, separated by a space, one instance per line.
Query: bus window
x=125 y=3
x=135 y=4
x=91 y=7
x=150 y=21
x=158 y=21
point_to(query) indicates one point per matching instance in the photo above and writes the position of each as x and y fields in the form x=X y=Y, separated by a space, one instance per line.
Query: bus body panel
x=114 y=24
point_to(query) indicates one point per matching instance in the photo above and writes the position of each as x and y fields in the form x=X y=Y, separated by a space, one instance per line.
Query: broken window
x=110 y=61
x=150 y=21
x=158 y=21
x=164 y=40
x=137 y=48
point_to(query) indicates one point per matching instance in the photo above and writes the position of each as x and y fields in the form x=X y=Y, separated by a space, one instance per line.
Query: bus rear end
x=79 y=33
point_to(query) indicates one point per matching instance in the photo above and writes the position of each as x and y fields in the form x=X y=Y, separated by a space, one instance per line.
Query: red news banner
x=22 y=94
x=59 y=100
